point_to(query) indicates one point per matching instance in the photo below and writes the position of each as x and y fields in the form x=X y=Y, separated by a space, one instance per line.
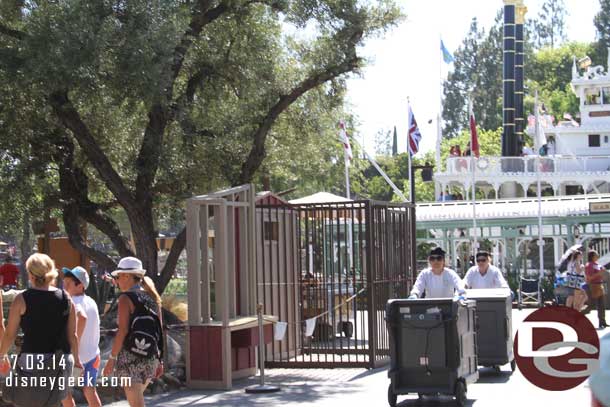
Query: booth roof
x=320 y=197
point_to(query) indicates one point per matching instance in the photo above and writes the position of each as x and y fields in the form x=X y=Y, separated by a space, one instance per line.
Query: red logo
x=556 y=348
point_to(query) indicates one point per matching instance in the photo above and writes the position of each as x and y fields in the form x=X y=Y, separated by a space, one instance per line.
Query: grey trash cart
x=494 y=327
x=432 y=347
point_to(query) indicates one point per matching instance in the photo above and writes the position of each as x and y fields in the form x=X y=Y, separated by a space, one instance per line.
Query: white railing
x=527 y=165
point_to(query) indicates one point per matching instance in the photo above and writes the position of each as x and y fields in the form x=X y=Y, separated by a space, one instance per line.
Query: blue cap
x=79 y=273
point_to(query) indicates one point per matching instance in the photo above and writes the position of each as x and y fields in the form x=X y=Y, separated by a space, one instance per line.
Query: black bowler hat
x=437 y=251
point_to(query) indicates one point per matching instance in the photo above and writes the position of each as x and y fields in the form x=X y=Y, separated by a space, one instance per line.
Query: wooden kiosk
x=223 y=329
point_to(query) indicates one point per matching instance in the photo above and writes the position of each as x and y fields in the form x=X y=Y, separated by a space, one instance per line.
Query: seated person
x=437 y=281
x=484 y=274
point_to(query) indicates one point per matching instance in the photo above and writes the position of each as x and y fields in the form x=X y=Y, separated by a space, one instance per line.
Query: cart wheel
x=496 y=368
x=392 y=397
x=513 y=365
x=347 y=329
x=519 y=307
x=460 y=393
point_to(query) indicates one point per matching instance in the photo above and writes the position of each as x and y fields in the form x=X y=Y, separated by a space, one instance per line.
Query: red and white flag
x=344 y=137
x=414 y=136
x=474 y=137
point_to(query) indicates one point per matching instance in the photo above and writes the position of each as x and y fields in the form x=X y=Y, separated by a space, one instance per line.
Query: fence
x=336 y=264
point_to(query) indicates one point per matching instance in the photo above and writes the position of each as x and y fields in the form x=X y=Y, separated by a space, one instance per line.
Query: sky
x=406 y=61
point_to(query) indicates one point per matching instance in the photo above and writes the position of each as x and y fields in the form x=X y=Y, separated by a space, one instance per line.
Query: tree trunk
x=25 y=246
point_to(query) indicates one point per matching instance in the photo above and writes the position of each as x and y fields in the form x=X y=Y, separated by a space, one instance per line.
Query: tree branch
x=74 y=188
x=70 y=218
x=16 y=34
x=172 y=260
x=70 y=118
x=257 y=152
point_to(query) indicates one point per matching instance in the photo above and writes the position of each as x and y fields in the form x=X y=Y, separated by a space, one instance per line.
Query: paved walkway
x=359 y=387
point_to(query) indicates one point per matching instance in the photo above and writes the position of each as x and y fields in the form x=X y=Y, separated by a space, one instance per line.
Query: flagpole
x=539 y=195
x=439 y=134
x=346 y=162
x=474 y=197
x=411 y=181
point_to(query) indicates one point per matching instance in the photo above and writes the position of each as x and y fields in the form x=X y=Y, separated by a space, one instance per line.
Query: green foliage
x=550 y=72
x=127 y=108
x=602 y=26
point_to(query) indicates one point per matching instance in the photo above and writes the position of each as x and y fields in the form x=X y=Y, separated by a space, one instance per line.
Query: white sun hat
x=129 y=265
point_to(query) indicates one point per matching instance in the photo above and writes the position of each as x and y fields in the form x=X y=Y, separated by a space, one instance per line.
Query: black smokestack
x=520 y=11
x=509 y=141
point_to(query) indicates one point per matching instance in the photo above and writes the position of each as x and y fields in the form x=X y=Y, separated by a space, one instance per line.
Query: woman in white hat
x=137 y=360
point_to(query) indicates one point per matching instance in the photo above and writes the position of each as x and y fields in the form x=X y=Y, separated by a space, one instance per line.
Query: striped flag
x=474 y=136
x=414 y=136
x=343 y=136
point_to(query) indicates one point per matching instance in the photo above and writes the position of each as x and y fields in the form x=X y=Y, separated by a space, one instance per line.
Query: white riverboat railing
x=490 y=165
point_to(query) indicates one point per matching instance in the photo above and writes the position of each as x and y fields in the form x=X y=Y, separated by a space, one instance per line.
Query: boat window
x=594 y=140
x=592 y=97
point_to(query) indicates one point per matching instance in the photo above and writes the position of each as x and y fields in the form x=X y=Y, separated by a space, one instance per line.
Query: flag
x=539 y=137
x=474 y=137
x=447 y=57
x=414 y=136
x=345 y=140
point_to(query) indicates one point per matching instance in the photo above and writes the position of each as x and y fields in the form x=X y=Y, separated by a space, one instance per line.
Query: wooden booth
x=221 y=255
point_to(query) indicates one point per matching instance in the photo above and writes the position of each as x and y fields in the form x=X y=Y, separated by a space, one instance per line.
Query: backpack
x=145 y=337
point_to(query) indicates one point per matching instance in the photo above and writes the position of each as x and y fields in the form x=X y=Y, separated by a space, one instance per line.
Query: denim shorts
x=90 y=371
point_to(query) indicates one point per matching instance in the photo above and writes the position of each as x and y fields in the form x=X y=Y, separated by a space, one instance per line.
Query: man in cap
x=437 y=281
x=76 y=281
x=484 y=274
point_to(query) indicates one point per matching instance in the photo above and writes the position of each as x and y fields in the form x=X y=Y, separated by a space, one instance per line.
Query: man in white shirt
x=76 y=282
x=437 y=281
x=483 y=274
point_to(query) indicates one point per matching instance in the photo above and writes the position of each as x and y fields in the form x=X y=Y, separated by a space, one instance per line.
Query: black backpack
x=145 y=337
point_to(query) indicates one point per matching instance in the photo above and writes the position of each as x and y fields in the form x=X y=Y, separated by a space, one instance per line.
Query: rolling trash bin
x=432 y=347
x=494 y=327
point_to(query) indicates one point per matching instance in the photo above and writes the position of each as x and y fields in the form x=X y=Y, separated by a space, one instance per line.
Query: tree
x=477 y=74
x=143 y=103
x=550 y=72
x=549 y=27
x=602 y=26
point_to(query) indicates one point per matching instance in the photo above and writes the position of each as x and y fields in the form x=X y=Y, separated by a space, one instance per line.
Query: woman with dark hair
x=594 y=274
x=137 y=361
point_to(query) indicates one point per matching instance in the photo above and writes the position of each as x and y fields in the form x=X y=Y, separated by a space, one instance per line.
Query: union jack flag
x=414 y=135
x=343 y=136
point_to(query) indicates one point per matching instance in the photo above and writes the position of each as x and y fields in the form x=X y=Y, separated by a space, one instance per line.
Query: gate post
x=370 y=261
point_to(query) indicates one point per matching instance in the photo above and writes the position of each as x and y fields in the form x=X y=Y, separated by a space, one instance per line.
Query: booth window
x=594 y=140
x=271 y=230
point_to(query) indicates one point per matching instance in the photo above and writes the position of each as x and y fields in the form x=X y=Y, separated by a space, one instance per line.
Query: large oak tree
x=134 y=105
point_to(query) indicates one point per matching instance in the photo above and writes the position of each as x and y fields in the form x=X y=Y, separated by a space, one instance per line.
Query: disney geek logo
x=556 y=348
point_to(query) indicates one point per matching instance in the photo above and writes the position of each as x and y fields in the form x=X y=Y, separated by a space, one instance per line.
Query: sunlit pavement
x=358 y=387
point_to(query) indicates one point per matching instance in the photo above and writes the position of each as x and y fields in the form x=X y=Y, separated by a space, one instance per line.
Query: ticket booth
x=223 y=328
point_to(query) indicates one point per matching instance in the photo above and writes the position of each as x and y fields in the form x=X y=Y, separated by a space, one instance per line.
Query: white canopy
x=320 y=197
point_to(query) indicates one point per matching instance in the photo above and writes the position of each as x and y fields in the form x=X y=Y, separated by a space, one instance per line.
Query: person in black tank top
x=45 y=314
